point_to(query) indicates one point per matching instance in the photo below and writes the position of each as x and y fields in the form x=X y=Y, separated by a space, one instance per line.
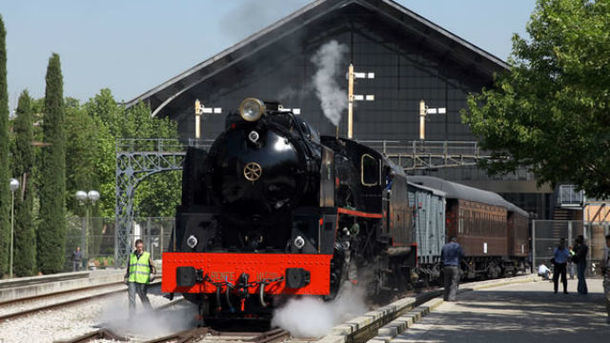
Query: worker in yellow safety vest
x=140 y=271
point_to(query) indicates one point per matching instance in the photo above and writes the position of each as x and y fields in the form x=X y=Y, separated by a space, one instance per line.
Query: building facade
x=411 y=59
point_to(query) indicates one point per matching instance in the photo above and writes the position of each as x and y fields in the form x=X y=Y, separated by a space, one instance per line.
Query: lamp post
x=14 y=185
x=83 y=198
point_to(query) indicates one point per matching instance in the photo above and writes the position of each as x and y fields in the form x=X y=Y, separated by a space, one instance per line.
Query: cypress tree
x=5 y=197
x=51 y=233
x=22 y=167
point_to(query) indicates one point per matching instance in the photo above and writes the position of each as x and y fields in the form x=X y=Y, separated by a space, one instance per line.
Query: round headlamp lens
x=251 y=109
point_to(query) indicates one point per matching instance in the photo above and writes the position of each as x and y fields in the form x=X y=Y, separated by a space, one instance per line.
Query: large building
x=411 y=58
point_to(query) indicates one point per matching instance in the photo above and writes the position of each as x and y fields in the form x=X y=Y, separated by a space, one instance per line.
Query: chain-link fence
x=97 y=240
x=547 y=233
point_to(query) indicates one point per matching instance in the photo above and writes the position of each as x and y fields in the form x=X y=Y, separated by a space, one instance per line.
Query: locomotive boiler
x=273 y=210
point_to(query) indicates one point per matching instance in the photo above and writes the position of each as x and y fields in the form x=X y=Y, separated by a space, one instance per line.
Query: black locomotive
x=274 y=210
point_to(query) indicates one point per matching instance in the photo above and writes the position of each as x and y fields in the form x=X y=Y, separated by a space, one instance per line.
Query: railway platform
x=525 y=312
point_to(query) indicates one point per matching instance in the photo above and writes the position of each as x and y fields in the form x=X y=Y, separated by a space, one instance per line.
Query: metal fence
x=97 y=239
x=547 y=233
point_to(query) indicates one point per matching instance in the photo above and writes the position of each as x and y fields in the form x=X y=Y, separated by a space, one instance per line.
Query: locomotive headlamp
x=251 y=109
x=299 y=242
x=191 y=241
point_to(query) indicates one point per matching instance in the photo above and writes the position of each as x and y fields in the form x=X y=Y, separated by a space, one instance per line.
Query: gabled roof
x=427 y=189
x=162 y=95
x=454 y=190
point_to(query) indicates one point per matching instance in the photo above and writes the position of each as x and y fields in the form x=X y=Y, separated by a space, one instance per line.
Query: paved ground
x=517 y=313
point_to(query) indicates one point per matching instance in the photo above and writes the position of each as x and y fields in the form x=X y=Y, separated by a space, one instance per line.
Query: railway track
x=202 y=334
x=37 y=280
x=32 y=304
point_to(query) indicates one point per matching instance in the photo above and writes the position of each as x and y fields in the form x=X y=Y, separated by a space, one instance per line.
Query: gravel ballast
x=78 y=319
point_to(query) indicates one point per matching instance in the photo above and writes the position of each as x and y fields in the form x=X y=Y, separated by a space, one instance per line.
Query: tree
x=159 y=194
x=155 y=196
x=52 y=227
x=22 y=167
x=81 y=154
x=109 y=119
x=5 y=196
x=550 y=112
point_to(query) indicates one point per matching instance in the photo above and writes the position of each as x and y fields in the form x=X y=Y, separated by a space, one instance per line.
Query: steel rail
x=56 y=293
x=105 y=333
x=94 y=335
x=190 y=335
x=37 y=280
x=62 y=303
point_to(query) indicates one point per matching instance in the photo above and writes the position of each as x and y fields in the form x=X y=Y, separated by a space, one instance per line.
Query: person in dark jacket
x=451 y=255
x=580 y=259
x=560 y=259
x=77 y=258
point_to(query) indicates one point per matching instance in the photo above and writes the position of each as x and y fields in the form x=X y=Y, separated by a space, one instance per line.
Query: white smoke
x=309 y=316
x=249 y=16
x=290 y=94
x=146 y=324
x=328 y=62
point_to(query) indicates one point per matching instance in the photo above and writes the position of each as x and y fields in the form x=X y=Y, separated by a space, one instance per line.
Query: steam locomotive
x=273 y=210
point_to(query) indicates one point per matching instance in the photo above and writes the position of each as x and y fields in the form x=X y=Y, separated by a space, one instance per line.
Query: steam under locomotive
x=274 y=210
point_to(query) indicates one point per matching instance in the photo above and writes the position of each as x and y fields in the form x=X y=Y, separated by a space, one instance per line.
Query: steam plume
x=148 y=324
x=312 y=317
x=328 y=62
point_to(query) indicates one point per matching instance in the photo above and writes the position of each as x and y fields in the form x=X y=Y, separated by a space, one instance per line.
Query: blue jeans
x=140 y=289
x=582 y=284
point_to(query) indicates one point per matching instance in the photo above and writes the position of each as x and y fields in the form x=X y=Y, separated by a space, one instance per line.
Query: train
x=272 y=210
x=493 y=232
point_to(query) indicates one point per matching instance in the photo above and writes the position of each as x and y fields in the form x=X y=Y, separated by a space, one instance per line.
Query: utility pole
x=200 y=109
x=13 y=185
x=350 y=101
x=422 y=120
x=423 y=112
x=351 y=97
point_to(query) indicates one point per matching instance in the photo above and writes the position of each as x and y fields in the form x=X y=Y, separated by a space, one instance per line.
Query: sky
x=133 y=46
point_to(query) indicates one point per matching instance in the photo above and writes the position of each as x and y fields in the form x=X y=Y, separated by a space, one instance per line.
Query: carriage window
x=369 y=170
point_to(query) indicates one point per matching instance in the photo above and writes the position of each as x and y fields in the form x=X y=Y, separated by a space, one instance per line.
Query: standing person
x=77 y=258
x=580 y=258
x=560 y=259
x=451 y=254
x=138 y=276
x=606 y=274
x=571 y=262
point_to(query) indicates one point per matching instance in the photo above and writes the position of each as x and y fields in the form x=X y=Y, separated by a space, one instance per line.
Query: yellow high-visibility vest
x=139 y=268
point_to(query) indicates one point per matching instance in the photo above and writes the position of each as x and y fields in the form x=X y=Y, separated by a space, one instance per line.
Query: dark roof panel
x=455 y=190
x=162 y=95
